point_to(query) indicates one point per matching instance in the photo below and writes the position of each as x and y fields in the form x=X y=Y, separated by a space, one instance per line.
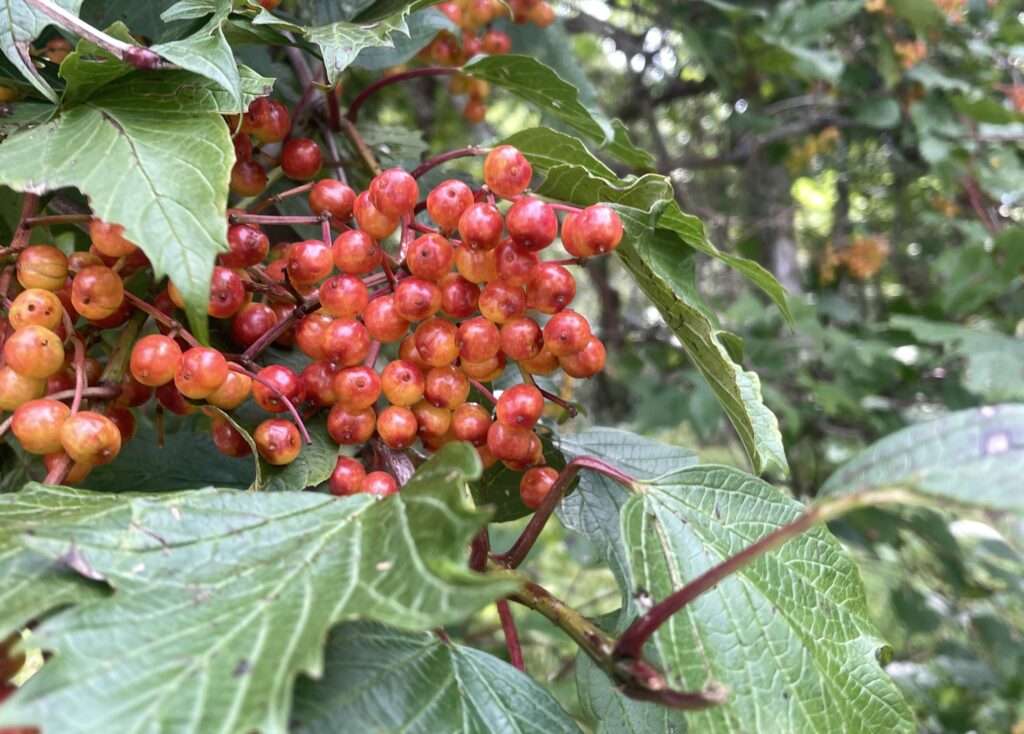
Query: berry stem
x=161 y=317
x=284 y=398
x=564 y=207
x=353 y=109
x=137 y=56
x=451 y=155
x=566 y=261
x=59 y=472
x=482 y=389
x=100 y=392
x=267 y=284
x=568 y=407
x=632 y=641
x=29 y=207
x=371 y=356
x=80 y=382
x=508 y=626
x=271 y=200
x=48 y=219
x=117 y=363
x=521 y=547
x=6 y=425
x=348 y=128
x=334 y=110
x=332 y=148
x=417 y=227
x=307 y=306
x=246 y=218
x=479 y=549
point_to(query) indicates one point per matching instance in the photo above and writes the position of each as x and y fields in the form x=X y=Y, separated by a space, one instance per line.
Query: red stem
x=271 y=200
x=284 y=398
x=451 y=155
x=59 y=472
x=479 y=549
x=80 y=383
x=360 y=100
x=564 y=207
x=560 y=402
x=482 y=389
x=334 y=109
x=519 y=550
x=245 y=218
x=161 y=317
x=305 y=307
x=508 y=626
x=56 y=219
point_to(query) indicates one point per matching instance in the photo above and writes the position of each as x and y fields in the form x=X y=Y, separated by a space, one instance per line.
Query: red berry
x=551 y=288
x=397 y=427
x=407 y=350
x=133 y=393
x=521 y=339
x=332 y=197
x=383 y=321
x=480 y=226
x=447 y=202
x=34 y=351
x=349 y=428
x=356 y=252
x=532 y=223
x=155 y=359
x=346 y=342
x=357 y=387
x=476 y=266
x=318 y=384
x=310 y=334
x=371 y=219
x=37 y=425
x=510 y=443
x=227 y=293
x=598 y=229
x=507 y=172
x=301 y=159
x=90 y=438
x=36 y=307
x=458 y=296
x=248 y=178
x=309 y=261
x=536 y=484
x=480 y=339
x=169 y=397
x=274 y=381
x=252 y=322
x=496 y=42
x=433 y=421
x=437 y=342
x=587 y=362
x=378 y=484
x=565 y=333
x=16 y=390
x=470 y=422
x=347 y=477
x=394 y=192
x=267 y=120
x=109 y=239
x=124 y=419
x=42 y=266
x=430 y=257
x=201 y=370
x=417 y=299
x=402 y=382
x=249 y=246
x=500 y=302
x=243 y=146
x=446 y=387
x=283 y=311
x=97 y=292
x=344 y=296
x=515 y=263
x=520 y=405
x=227 y=440
x=485 y=371
x=278 y=441
x=233 y=392
x=570 y=241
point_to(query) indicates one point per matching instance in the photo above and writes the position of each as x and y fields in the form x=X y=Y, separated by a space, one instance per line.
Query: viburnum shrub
x=219 y=283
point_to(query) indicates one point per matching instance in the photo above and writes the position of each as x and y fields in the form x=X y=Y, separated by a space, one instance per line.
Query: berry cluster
x=462 y=299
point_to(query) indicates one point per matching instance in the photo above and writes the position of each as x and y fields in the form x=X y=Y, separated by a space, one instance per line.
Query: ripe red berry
x=507 y=172
x=248 y=178
x=587 y=362
x=169 y=397
x=598 y=228
x=16 y=390
x=154 y=360
x=437 y=342
x=402 y=382
x=34 y=351
x=301 y=159
x=430 y=257
x=227 y=440
x=480 y=226
x=283 y=311
x=347 y=477
x=371 y=219
x=109 y=239
x=485 y=371
x=532 y=223
x=310 y=333
x=309 y=261
x=520 y=405
x=500 y=302
x=249 y=246
x=446 y=387
x=515 y=263
x=407 y=350
x=565 y=333
x=417 y=299
x=470 y=422
x=394 y=192
x=476 y=266
x=318 y=384
x=379 y=484
x=332 y=197
x=536 y=484
x=278 y=441
x=267 y=120
x=344 y=296
x=42 y=266
x=201 y=370
x=510 y=443
x=397 y=427
x=271 y=383
x=252 y=322
x=348 y=427
x=496 y=42
x=227 y=293
x=383 y=321
x=124 y=419
x=97 y=292
x=346 y=342
x=481 y=339
x=356 y=252
x=447 y=202
x=243 y=146
x=521 y=339
x=357 y=388
x=37 y=425
x=234 y=391
x=433 y=421
x=36 y=307
x=458 y=296
x=90 y=438
x=570 y=242
x=551 y=288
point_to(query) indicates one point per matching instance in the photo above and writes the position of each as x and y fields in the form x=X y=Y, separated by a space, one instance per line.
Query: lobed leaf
x=20 y=24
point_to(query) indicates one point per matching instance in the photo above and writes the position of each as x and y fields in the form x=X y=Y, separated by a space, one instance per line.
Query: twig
x=80 y=384
x=245 y=218
x=99 y=392
x=482 y=389
x=451 y=155
x=161 y=317
x=508 y=626
x=309 y=305
x=59 y=472
x=271 y=200
x=48 y=219
x=353 y=109
x=348 y=128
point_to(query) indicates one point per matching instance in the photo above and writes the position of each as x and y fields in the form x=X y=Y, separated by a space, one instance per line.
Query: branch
x=508 y=626
x=360 y=100
x=445 y=157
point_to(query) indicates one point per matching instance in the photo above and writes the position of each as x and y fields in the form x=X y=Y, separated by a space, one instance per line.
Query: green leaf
x=20 y=24
x=382 y=679
x=152 y=154
x=879 y=112
x=801 y=605
x=312 y=467
x=546 y=149
x=971 y=457
x=498 y=488
x=223 y=597
x=422 y=27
